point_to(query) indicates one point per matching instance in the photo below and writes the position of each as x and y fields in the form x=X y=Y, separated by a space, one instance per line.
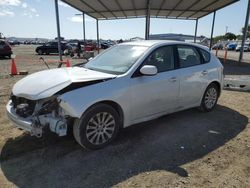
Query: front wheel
x=40 y=52
x=97 y=127
x=210 y=98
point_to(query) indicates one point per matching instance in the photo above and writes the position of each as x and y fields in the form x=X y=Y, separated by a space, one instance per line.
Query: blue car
x=231 y=46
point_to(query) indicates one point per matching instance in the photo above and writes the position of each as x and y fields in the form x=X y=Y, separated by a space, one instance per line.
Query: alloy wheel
x=211 y=97
x=100 y=128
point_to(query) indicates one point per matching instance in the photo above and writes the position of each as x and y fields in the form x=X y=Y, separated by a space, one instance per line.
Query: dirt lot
x=185 y=149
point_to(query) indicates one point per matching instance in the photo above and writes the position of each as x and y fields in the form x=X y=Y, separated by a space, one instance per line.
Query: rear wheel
x=97 y=127
x=210 y=98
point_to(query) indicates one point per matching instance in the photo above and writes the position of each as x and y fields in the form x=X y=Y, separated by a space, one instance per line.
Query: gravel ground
x=184 y=149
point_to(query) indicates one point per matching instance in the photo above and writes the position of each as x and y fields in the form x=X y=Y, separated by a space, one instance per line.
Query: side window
x=188 y=56
x=2 y=44
x=205 y=55
x=162 y=58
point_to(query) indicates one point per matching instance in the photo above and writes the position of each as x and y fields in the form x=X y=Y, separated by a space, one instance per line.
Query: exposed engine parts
x=43 y=113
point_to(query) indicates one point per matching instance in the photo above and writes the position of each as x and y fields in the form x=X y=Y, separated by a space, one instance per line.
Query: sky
x=36 y=19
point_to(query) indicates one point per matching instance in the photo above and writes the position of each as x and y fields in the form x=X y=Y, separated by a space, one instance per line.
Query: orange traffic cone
x=13 y=68
x=67 y=63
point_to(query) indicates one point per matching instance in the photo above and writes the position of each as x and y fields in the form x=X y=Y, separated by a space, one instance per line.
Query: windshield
x=117 y=60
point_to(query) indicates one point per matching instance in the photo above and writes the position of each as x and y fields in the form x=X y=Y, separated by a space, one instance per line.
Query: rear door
x=151 y=95
x=193 y=75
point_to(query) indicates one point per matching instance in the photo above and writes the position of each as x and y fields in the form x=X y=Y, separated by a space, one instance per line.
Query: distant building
x=136 y=39
x=176 y=37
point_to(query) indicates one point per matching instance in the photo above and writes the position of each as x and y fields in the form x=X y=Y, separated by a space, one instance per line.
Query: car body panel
x=140 y=98
x=44 y=84
x=153 y=94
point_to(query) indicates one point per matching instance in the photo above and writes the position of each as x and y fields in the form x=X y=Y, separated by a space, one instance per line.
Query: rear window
x=188 y=56
x=205 y=55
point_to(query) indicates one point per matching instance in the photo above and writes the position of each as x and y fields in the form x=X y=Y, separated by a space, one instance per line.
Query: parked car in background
x=231 y=46
x=246 y=47
x=127 y=84
x=14 y=42
x=50 y=47
x=218 y=46
x=107 y=44
x=69 y=50
x=5 y=49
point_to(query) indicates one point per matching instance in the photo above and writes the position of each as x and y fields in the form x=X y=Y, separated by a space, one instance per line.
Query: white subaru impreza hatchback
x=126 y=84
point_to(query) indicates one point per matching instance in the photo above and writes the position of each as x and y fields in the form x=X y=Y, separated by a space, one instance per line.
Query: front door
x=151 y=95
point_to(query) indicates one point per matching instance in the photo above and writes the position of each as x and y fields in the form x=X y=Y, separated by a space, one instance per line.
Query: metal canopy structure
x=169 y=9
x=119 y=9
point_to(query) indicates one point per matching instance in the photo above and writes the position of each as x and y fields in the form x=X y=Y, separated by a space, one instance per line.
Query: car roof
x=151 y=43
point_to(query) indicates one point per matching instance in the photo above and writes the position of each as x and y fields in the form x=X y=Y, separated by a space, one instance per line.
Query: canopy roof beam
x=86 y=4
x=107 y=8
x=188 y=8
x=179 y=9
x=177 y=4
x=120 y=7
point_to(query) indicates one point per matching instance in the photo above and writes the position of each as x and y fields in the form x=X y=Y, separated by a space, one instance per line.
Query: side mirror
x=149 y=70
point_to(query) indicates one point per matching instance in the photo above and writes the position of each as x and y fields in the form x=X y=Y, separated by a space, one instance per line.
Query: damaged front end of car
x=35 y=116
x=35 y=103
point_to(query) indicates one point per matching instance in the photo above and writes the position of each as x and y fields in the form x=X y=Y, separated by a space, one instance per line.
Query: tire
x=210 y=98
x=97 y=127
x=40 y=52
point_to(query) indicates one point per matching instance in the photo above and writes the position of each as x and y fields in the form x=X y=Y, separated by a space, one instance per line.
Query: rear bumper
x=19 y=122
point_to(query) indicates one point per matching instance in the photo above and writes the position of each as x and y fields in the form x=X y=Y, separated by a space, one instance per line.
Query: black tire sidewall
x=203 y=105
x=40 y=52
x=88 y=115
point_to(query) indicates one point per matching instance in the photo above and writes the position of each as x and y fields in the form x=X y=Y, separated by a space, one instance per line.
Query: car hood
x=44 y=84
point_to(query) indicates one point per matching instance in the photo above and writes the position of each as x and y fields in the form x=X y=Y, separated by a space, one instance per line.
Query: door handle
x=173 y=79
x=204 y=72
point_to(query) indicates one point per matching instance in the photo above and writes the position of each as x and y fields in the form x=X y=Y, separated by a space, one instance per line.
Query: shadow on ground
x=162 y=144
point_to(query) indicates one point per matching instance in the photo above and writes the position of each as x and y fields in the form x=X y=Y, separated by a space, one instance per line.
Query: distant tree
x=230 y=36
x=239 y=37
x=218 y=38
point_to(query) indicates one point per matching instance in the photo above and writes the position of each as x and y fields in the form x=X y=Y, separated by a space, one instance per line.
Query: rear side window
x=162 y=58
x=205 y=55
x=188 y=56
x=2 y=44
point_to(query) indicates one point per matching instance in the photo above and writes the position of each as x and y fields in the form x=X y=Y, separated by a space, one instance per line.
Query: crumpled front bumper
x=20 y=122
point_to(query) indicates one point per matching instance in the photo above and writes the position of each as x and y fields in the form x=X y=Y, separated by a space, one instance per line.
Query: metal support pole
x=147 y=28
x=212 y=31
x=195 y=34
x=244 y=32
x=83 y=25
x=97 y=34
x=58 y=32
